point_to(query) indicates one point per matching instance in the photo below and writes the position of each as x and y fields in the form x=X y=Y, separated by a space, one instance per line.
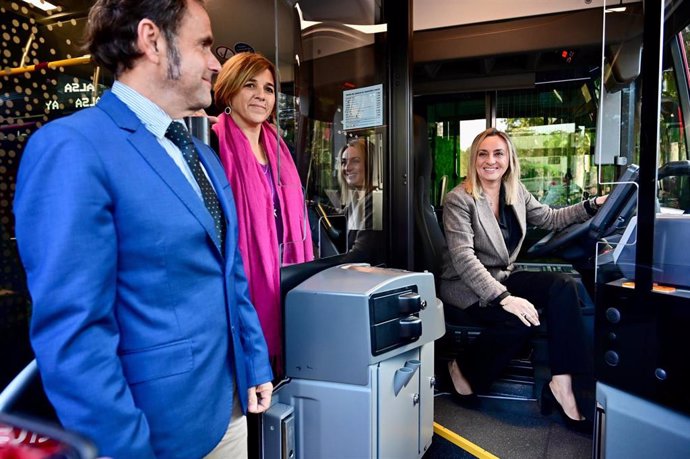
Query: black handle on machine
x=410 y=302
x=410 y=327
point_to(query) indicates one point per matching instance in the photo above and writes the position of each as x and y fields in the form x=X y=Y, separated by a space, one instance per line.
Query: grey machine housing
x=360 y=355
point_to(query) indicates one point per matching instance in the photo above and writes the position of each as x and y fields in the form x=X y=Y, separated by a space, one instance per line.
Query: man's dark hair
x=111 y=31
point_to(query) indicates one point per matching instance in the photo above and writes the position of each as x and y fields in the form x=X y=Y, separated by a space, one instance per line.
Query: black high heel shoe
x=548 y=402
x=469 y=401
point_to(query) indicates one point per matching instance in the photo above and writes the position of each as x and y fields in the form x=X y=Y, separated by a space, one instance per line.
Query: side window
x=674 y=192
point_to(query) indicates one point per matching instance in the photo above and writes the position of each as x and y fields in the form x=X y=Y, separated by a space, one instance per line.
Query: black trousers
x=557 y=298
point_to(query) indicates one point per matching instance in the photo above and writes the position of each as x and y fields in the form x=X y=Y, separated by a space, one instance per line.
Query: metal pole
x=649 y=142
x=399 y=207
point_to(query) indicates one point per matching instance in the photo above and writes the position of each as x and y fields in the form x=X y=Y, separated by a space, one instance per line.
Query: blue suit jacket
x=140 y=325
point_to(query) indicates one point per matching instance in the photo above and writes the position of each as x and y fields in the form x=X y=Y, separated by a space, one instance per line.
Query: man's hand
x=260 y=397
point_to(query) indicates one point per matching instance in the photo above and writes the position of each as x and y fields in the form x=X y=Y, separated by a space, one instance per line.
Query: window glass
x=338 y=105
x=453 y=124
x=674 y=192
x=553 y=129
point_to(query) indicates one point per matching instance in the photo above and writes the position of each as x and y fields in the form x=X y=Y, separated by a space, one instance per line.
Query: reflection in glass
x=361 y=200
x=335 y=54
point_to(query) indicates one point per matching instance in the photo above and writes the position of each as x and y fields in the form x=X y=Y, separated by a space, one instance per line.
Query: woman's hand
x=523 y=309
x=600 y=200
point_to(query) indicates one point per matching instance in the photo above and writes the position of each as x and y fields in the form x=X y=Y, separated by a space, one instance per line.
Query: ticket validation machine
x=360 y=355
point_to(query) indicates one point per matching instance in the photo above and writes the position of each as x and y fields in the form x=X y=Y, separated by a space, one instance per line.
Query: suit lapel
x=491 y=228
x=155 y=155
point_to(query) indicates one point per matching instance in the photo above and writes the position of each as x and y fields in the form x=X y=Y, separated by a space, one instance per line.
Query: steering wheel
x=619 y=207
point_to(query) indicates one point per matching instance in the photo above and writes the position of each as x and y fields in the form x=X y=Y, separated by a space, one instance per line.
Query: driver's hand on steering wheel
x=523 y=309
x=600 y=200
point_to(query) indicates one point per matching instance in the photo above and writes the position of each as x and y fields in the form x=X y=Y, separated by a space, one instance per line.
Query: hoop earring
x=228 y=110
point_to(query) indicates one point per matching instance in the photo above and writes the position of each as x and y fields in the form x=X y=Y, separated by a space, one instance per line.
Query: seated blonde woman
x=485 y=220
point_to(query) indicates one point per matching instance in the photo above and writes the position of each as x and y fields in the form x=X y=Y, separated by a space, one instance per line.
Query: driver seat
x=431 y=243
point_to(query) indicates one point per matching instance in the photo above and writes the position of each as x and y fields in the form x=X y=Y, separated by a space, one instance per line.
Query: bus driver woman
x=485 y=220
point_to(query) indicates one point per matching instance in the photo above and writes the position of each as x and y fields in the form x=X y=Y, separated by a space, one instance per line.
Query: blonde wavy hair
x=511 y=179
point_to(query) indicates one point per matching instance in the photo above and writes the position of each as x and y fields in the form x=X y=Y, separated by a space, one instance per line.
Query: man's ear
x=150 y=41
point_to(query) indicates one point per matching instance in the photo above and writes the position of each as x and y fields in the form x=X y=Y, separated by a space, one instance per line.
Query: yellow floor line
x=462 y=442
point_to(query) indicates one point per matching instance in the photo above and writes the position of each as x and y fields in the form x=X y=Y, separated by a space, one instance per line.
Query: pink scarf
x=258 y=240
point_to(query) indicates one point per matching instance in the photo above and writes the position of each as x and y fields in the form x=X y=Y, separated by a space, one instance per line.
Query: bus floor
x=502 y=428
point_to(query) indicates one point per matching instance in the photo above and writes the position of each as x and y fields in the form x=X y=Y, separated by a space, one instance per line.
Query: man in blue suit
x=142 y=325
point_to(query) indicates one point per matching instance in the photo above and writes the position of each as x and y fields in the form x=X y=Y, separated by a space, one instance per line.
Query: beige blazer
x=478 y=259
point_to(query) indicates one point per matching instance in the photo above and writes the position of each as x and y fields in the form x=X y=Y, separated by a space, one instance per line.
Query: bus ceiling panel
x=507 y=71
x=464 y=85
x=566 y=30
x=359 y=12
x=434 y=14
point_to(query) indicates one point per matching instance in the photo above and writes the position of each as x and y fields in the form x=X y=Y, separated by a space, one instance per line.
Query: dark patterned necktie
x=179 y=135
